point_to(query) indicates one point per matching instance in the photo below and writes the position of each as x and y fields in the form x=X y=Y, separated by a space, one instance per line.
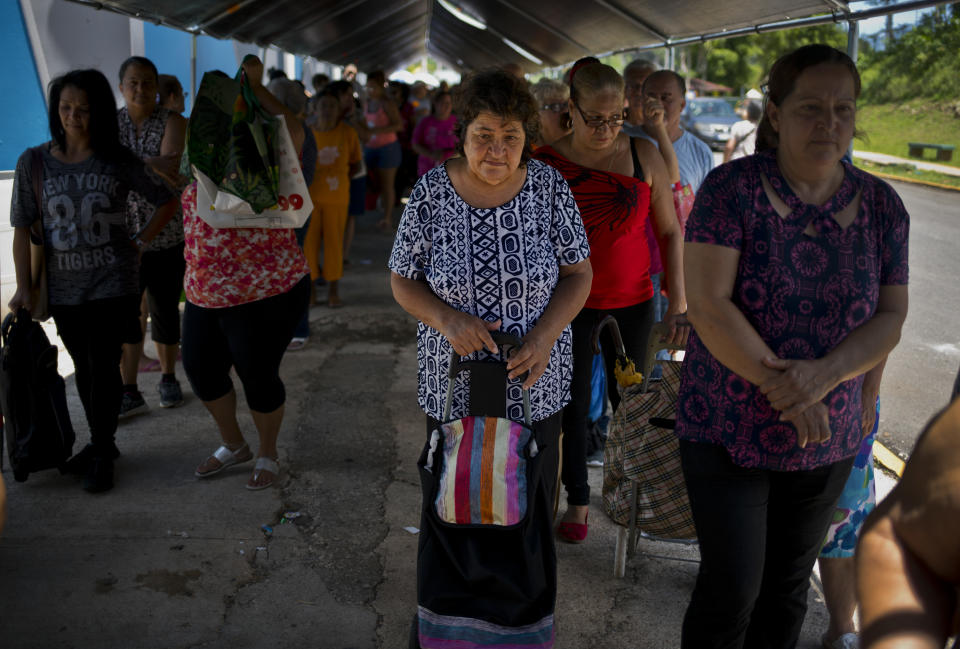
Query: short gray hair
x=643 y=65
x=546 y=88
x=289 y=93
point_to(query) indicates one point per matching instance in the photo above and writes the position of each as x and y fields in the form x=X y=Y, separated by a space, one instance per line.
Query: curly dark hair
x=502 y=94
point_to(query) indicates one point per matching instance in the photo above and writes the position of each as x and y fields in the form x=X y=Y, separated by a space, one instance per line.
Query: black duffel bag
x=33 y=398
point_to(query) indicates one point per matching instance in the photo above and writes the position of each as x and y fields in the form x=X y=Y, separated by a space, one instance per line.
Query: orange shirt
x=337 y=149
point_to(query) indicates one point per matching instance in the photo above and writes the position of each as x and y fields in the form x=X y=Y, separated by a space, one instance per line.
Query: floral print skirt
x=858 y=499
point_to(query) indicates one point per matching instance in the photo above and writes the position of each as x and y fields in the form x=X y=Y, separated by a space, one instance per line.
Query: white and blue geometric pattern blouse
x=499 y=262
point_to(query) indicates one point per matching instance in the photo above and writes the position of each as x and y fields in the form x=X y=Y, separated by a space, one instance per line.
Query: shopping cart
x=643 y=486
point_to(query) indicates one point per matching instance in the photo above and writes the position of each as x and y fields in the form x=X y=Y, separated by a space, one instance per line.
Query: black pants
x=94 y=333
x=251 y=338
x=760 y=532
x=161 y=271
x=634 y=323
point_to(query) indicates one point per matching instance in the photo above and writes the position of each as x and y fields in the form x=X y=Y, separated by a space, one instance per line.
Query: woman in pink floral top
x=246 y=290
x=434 y=138
x=796 y=270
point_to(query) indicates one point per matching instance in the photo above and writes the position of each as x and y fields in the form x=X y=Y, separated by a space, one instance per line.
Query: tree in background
x=743 y=62
x=920 y=63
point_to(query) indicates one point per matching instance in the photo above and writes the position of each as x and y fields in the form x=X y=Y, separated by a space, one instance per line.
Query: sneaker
x=80 y=463
x=99 y=476
x=296 y=343
x=170 y=393
x=846 y=641
x=132 y=404
x=595 y=459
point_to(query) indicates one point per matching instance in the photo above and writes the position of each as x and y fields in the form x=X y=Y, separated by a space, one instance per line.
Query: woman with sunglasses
x=619 y=183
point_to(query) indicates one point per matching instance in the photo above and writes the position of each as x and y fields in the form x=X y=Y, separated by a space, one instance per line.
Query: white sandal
x=263 y=464
x=226 y=457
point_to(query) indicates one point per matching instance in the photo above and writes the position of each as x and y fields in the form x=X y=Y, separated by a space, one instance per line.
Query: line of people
x=794 y=270
x=122 y=239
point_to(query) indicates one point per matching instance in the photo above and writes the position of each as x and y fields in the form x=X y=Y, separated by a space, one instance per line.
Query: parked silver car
x=710 y=119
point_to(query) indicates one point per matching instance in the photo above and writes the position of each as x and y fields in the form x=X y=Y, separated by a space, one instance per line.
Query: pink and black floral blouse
x=232 y=266
x=803 y=294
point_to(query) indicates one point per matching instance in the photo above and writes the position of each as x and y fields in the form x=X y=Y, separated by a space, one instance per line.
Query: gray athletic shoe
x=132 y=404
x=170 y=394
x=595 y=459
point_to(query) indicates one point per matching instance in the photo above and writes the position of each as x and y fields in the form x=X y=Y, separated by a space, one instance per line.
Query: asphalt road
x=921 y=369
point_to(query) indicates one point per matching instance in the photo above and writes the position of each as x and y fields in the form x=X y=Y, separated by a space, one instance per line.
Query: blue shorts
x=387 y=156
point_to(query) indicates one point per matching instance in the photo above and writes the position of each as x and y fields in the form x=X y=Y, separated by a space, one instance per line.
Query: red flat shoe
x=573 y=532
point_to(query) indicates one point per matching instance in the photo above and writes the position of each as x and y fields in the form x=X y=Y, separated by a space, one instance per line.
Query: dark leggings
x=634 y=323
x=161 y=271
x=251 y=338
x=759 y=533
x=94 y=333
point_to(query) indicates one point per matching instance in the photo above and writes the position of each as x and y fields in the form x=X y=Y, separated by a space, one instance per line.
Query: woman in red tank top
x=619 y=183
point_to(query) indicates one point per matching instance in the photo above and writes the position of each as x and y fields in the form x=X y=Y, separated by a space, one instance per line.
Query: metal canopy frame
x=374 y=34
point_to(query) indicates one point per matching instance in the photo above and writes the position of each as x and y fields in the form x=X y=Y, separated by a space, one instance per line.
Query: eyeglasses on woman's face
x=596 y=122
x=559 y=107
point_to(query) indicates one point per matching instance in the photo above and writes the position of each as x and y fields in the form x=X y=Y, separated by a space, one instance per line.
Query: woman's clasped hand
x=467 y=333
x=797 y=392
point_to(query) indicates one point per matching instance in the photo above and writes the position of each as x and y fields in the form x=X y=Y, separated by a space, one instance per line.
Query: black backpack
x=33 y=398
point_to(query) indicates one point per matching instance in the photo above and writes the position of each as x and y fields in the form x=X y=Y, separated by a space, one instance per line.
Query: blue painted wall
x=169 y=49
x=213 y=54
x=23 y=123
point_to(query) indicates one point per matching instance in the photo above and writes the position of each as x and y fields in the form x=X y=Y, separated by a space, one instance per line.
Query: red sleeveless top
x=614 y=209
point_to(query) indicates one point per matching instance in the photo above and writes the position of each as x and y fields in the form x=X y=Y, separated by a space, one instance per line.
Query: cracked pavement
x=169 y=561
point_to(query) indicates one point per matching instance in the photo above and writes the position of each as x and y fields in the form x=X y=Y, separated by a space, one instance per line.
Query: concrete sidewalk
x=883 y=158
x=168 y=561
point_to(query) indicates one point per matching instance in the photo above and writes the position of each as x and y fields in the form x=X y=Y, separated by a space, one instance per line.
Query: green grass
x=889 y=127
x=907 y=172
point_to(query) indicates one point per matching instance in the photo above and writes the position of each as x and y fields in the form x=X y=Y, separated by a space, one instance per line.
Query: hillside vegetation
x=887 y=128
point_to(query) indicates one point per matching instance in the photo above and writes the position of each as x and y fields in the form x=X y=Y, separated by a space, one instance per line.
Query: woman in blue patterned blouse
x=492 y=241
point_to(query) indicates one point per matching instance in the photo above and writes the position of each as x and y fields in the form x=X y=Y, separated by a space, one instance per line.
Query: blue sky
x=874 y=25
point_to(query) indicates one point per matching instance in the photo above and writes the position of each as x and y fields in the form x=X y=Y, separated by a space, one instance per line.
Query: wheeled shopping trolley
x=643 y=485
x=486 y=568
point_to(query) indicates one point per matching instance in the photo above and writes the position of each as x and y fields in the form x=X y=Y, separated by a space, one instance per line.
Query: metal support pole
x=193 y=69
x=671 y=62
x=853 y=39
x=853 y=49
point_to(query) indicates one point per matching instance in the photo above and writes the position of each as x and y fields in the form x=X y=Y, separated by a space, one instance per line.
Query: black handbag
x=33 y=398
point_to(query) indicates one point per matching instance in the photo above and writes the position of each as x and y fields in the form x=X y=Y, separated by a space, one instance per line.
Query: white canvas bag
x=224 y=210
